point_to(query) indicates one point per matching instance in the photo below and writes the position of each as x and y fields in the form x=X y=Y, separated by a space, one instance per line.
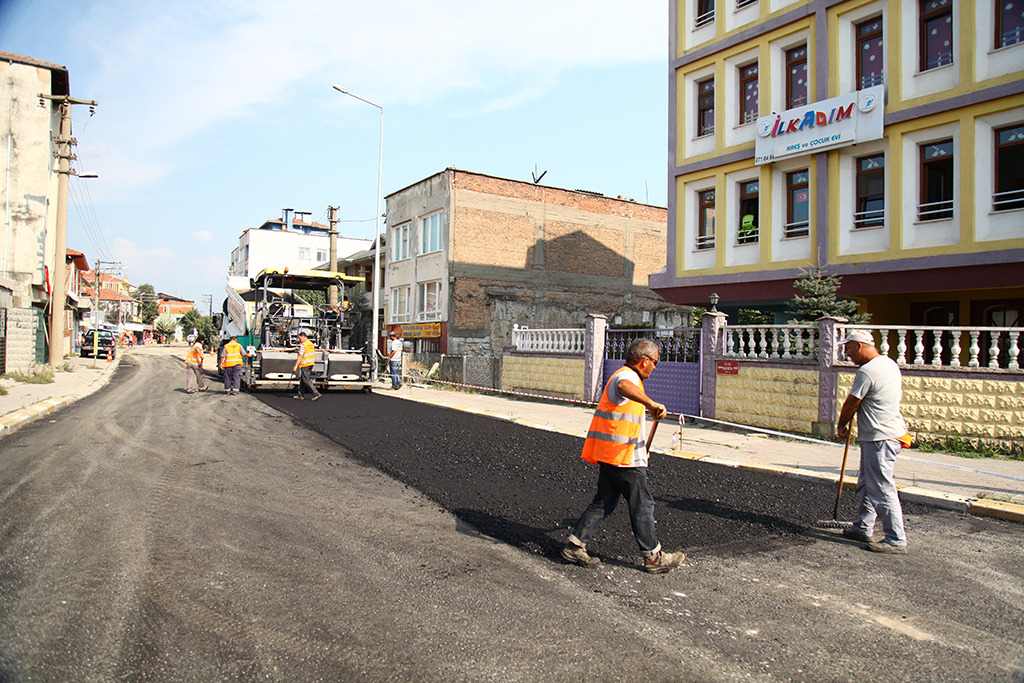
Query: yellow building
x=883 y=140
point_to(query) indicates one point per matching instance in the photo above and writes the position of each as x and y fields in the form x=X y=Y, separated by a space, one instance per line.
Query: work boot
x=662 y=562
x=576 y=554
x=855 y=535
x=884 y=547
x=316 y=397
x=297 y=397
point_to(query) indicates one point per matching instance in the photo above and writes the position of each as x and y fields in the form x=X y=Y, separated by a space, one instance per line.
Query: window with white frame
x=400 y=248
x=399 y=307
x=303 y=253
x=429 y=301
x=432 y=233
x=936 y=181
x=1009 y=167
x=321 y=255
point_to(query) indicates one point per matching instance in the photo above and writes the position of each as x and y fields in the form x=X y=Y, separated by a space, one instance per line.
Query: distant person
x=194 y=367
x=617 y=443
x=231 y=365
x=304 y=366
x=394 y=359
x=875 y=399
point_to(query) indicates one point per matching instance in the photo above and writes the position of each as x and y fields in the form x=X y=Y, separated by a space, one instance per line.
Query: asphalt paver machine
x=276 y=314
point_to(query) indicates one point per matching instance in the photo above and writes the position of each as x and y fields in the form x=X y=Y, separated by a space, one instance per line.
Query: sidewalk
x=981 y=486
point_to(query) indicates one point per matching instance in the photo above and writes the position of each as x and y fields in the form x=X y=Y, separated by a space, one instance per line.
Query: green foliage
x=44 y=376
x=165 y=325
x=313 y=297
x=969 y=448
x=201 y=323
x=819 y=299
x=148 y=310
x=749 y=316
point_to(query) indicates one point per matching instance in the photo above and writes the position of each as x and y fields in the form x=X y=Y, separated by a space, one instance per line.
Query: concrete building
x=28 y=193
x=884 y=140
x=471 y=255
x=287 y=242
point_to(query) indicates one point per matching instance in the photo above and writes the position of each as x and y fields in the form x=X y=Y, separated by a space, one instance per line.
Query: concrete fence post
x=828 y=378
x=593 y=356
x=712 y=345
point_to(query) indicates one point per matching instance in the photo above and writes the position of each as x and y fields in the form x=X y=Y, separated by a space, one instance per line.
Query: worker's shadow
x=498 y=529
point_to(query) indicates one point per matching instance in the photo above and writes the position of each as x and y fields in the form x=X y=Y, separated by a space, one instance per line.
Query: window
x=432 y=233
x=1009 y=22
x=936 y=33
x=401 y=247
x=869 y=53
x=705 y=13
x=748 y=93
x=706 y=107
x=303 y=253
x=429 y=298
x=706 y=219
x=798 y=196
x=936 y=181
x=1009 y=192
x=400 y=305
x=796 y=77
x=740 y=4
x=870 y=192
x=321 y=255
x=748 y=232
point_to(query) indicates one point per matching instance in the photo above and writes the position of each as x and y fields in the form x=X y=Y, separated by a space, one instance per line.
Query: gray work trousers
x=876 y=490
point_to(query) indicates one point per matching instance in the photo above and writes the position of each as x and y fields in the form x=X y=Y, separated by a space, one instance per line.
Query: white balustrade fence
x=771 y=342
x=972 y=347
x=566 y=340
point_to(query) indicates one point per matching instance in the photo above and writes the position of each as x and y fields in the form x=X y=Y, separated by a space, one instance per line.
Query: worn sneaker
x=662 y=562
x=298 y=398
x=315 y=398
x=884 y=547
x=577 y=555
x=855 y=535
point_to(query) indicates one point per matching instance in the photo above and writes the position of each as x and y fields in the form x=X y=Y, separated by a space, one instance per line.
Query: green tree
x=148 y=311
x=819 y=299
x=165 y=325
x=201 y=323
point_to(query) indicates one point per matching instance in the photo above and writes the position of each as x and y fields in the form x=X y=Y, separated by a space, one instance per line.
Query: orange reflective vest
x=232 y=355
x=195 y=354
x=306 y=355
x=615 y=430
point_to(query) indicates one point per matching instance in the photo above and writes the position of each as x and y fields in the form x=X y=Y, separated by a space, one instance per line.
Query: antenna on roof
x=536 y=178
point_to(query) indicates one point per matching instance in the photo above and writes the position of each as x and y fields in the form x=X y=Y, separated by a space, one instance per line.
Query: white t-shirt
x=879 y=386
x=640 y=452
x=395 y=347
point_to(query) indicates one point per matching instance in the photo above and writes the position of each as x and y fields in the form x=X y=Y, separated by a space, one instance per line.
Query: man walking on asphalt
x=194 y=367
x=231 y=365
x=875 y=399
x=304 y=366
x=617 y=443
x=394 y=359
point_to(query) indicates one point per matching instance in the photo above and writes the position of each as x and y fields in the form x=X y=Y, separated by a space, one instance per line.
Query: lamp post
x=376 y=237
x=714 y=302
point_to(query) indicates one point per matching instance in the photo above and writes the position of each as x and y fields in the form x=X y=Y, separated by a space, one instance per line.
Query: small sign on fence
x=728 y=367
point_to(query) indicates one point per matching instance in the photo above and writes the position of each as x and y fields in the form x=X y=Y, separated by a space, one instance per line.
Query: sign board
x=728 y=367
x=828 y=124
x=420 y=330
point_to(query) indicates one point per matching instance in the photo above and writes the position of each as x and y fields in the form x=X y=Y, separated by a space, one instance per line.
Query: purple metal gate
x=676 y=380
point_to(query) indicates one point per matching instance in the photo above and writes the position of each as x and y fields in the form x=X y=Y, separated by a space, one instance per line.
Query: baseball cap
x=862 y=336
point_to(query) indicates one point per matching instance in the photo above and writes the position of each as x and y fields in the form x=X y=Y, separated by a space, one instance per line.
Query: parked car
x=106 y=344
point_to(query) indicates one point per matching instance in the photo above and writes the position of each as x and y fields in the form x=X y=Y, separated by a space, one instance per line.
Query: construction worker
x=231 y=364
x=194 y=367
x=304 y=366
x=616 y=442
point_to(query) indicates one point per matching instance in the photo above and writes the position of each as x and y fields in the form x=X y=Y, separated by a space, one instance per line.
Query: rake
x=834 y=523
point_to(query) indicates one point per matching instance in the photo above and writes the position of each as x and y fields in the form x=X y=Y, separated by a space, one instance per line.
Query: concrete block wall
x=991 y=409
x=560 y=376
x=783 y=399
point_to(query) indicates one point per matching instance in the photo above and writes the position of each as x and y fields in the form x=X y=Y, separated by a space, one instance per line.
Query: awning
x=135 y=327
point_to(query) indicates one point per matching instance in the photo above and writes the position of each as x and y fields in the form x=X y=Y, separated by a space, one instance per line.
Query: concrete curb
x=16 y=419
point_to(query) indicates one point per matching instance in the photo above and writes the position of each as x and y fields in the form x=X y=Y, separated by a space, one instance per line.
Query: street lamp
x=376 y=251
x=714 y=302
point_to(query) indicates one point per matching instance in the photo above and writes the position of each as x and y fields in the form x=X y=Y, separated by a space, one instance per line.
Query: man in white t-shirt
x=875 y=399
x=394 y=359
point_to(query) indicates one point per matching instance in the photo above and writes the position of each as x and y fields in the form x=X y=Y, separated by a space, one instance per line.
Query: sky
x=214 y=115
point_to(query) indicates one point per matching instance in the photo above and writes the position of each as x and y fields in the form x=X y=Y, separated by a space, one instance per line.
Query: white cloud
x=204 y=236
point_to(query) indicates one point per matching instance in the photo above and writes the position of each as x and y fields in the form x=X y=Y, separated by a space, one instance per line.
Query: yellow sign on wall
x=420 y=330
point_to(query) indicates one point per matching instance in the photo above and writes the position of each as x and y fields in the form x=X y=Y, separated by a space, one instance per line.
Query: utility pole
x=64 y=156
x=332 y=218
x=208 y=300
x=96 y=309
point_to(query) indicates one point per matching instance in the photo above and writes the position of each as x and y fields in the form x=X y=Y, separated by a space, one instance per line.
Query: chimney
x=287 y=219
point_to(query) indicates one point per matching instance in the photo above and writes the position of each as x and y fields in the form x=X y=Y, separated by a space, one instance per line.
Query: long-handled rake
x=834 y=523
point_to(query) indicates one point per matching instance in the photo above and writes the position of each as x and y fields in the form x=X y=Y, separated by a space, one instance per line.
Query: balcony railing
x=972 y=347
x=797 y=229
x=935 y=211
x=873 y=79
x=1011 y=199
x=706 y=241
x=869 y=219
x=705 y=19
x=772 y=342
x=563 y=340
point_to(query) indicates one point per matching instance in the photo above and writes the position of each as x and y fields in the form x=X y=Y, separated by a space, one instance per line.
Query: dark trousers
x=306 y=379
x=614 y=483
x=232 y=377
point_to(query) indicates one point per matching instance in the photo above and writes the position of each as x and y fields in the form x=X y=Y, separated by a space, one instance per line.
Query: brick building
x=470 y=255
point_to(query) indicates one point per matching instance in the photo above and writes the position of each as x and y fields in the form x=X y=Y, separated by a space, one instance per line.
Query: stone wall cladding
x=989 y=409
x=548 y=375
x=769 y=397
x=22 y=336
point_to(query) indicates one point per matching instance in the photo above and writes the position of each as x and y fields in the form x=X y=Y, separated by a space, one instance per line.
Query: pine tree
x=820 y=300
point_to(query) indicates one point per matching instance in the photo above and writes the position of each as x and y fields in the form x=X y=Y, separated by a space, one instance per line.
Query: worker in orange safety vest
x=616 y=442
x=304 y=366
x=194 y=367
x=231 y=364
